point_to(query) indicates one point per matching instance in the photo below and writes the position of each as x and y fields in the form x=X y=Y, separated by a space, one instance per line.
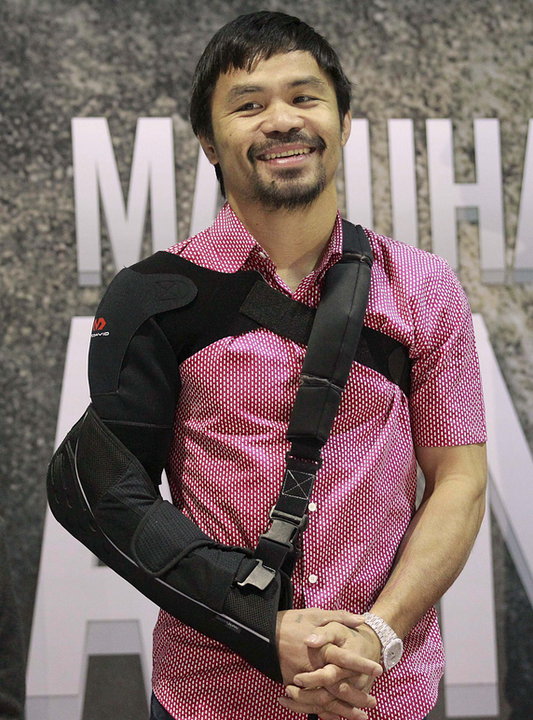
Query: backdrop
x=439 y=157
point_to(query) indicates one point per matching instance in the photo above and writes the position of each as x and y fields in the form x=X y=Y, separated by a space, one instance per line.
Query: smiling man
x=199 y=373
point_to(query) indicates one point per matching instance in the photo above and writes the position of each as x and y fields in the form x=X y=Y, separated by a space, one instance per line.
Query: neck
x=294 y=239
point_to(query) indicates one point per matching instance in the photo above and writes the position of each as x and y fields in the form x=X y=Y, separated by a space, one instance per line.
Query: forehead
x=281 y=70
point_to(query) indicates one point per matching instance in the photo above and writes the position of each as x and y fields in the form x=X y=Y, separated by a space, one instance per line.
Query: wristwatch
x=391 y=644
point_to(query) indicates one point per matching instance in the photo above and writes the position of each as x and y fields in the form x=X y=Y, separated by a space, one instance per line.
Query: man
x=271 y=108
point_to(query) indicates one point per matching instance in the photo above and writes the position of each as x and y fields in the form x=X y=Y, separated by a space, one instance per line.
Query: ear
x=346 y=127
x=209 y=149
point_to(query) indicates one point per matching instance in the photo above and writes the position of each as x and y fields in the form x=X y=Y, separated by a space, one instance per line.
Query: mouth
x=275 y=154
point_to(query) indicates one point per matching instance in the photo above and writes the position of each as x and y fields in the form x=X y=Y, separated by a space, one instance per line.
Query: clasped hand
x=329 y=661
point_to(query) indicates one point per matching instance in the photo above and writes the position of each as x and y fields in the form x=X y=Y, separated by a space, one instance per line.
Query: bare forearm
x=437 y=543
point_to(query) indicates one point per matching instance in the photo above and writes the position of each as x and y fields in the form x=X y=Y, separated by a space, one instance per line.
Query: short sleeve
x=446 y=402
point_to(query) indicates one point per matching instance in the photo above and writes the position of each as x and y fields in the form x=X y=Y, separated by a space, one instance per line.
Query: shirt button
x=312 y=507
x=313 y=579
x=262 y=254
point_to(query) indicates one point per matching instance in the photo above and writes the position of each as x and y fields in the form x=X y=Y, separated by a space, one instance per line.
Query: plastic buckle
x=298 y=522
x=260 y=577
x=284 y=529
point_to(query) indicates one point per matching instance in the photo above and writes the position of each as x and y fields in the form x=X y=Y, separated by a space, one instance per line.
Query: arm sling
x=102 y=481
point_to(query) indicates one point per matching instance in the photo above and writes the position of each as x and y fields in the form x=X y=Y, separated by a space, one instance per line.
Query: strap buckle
x=285 y=527
x=260 y=577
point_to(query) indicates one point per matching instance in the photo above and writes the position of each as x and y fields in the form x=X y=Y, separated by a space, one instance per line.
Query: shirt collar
x=228 y=246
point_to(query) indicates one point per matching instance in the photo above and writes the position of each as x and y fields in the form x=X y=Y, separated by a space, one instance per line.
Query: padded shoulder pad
x=131 y=299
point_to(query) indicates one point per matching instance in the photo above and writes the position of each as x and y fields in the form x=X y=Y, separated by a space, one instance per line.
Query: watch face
x=392 y=653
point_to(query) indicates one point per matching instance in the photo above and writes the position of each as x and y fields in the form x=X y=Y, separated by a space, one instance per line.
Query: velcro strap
x=314 y=393
x=279 y=313
x=292 y=319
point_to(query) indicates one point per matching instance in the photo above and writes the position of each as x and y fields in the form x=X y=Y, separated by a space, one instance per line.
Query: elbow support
x=100 y=492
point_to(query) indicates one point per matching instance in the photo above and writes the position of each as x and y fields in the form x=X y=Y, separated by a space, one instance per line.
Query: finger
x=343 y=691
x=331 y=674
x=340 y=712
x=352 y=694
x=321 y=703
x=344 y=618
x=346 y=658
x=305 y=709
x=324 y=676
x=333 y=632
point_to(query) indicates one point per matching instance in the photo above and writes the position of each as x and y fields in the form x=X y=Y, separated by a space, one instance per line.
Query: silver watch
x=391 y=644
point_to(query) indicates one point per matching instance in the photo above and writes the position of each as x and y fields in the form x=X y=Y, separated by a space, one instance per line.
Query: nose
x=282 y=118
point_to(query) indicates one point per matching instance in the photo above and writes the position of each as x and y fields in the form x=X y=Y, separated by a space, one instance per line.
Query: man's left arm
x=431 y=556
x=441 y=535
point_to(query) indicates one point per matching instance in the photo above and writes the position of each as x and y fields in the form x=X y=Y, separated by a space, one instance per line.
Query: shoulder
x=413 y=292
x=415 y=275
x=406 y=263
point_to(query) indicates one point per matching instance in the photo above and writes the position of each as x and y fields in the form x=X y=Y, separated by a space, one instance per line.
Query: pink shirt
x=226 y=464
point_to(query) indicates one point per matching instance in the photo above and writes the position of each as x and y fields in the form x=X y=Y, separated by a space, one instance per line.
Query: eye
x=304 y=99
x=249 y=106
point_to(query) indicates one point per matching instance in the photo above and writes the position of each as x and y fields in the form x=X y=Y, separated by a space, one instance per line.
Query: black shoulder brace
x=102 y=481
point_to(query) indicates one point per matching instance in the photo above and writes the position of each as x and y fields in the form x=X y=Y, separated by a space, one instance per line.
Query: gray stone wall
x=61 y=59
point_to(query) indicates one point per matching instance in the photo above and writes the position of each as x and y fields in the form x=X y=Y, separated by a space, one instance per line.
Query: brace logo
x=98 y=327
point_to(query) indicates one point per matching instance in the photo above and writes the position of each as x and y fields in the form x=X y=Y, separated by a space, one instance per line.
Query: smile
x=286 y=153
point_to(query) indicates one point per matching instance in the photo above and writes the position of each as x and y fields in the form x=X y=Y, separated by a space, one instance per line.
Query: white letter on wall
x=523 y=266
x=96 y=176
x=471 y=689
x=403 y=181
x=486 y=194
x=357 y=175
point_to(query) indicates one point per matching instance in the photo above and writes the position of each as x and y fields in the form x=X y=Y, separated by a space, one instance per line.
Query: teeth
x=287 y=153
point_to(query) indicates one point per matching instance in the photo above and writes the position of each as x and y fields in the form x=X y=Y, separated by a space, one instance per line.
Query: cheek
x=231 y=145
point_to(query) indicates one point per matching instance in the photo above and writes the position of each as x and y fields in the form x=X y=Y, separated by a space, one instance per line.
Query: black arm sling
x=104 y=490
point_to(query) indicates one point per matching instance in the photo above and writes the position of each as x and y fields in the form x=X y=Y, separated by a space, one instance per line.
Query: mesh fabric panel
x=101 y=462
x=163 y=534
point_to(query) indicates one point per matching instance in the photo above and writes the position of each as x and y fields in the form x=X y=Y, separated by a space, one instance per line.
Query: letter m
x=96 y=179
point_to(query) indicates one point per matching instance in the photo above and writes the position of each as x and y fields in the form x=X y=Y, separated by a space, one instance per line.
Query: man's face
x=276 y=132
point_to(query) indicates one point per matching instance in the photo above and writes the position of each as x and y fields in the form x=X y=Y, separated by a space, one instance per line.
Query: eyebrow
x=239 y=91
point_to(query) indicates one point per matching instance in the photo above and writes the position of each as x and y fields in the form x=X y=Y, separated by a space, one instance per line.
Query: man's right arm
x=102 y=481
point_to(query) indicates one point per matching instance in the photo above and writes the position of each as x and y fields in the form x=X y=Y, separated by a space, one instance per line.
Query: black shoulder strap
x=332 y=345
x=331 y=349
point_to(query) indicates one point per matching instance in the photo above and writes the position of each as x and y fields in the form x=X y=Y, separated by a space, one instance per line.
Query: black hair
x=258 y=36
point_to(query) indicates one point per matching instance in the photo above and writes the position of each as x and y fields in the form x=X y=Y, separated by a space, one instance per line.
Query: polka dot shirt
x=226 y=464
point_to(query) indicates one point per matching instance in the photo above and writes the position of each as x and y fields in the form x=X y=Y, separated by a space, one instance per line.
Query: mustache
x=317 y=143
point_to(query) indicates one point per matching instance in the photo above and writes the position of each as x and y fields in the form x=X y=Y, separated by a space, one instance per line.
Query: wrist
x=374 y=643
x=391 y=646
